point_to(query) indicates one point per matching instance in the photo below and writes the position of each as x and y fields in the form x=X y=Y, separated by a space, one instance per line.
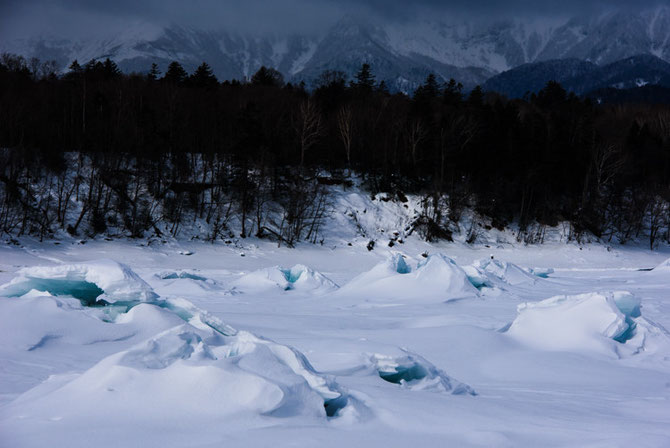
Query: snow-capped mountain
x=400 y=53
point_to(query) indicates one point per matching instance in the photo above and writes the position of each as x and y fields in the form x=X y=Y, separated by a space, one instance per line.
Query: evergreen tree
x=267 y=77
x=453 y=92
x=204 y=77
x=365 y=80
x=75 y=67
x=154 y=72
x=429 y=90
x=476 y=98
x=175 y=73
x=93 y=66
x=110 y=69
x=382 y=88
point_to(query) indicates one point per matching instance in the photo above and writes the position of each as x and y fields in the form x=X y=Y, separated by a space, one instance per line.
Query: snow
x=505 y=272
x=188 y=357
x=297 y=278
x=600 y=322
x=664 y=266
x=436 y=278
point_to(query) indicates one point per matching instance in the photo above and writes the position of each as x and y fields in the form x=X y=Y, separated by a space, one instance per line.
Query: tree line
x=95 y=149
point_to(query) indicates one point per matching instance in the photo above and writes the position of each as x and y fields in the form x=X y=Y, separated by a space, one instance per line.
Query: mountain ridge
x=400 y=53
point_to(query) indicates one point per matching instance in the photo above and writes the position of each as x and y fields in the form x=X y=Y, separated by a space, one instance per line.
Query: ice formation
x=507 y=273
x=181 y=274
x=191 y=373
x=89 y=282
x=436 y=278
x=298 y=278
x=414 y=372
x=604 y=322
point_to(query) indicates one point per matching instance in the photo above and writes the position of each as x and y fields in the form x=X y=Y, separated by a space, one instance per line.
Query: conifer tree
x=267 y=77
x=154 y=72
x=75 y=67
x=365 y=80
x=204 y=77
x=175 y=73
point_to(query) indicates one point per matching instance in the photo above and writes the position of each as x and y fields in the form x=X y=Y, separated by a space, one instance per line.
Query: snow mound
x=665 y=266
x=602 y=322
x=298 y=278
x=436 y=278
x=187 y=374
x=89 y=282
x=505 y=272
x=416 y=373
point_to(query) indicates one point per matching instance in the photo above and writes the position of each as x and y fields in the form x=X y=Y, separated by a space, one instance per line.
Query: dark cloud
x=94 y=17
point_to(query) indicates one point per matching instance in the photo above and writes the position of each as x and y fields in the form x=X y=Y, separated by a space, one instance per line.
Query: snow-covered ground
x=120 y=343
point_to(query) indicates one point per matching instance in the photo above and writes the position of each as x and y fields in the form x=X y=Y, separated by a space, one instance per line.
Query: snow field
x=160 y=362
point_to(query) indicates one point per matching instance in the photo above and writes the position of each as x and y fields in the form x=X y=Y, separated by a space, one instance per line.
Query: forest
x=94 y=151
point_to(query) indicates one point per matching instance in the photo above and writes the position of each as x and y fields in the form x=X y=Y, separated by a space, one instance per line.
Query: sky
x=91 y=18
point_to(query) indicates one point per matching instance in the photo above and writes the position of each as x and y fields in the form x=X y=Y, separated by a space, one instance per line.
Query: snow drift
x=436 y=278
x=665 y=266
x=187 y=374
x=298 y=278
x=89 y=282
x=608 y=322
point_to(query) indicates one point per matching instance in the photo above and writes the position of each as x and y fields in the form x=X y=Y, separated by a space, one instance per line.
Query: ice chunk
x=414 y=372
x=173 y=275
x=90 y=282
x=505 y=272
x=593 y=321
x=299 y=278
x=436 y=278
x=36 y=293
x=477 y=277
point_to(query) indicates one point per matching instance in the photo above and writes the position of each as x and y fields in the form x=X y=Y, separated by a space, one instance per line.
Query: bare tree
x=657 y=212
x=416 y=133
x=345 y=129
x=308 y=127
x=607 y=162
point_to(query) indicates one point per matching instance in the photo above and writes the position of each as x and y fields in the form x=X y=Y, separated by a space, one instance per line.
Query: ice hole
x=334 y=405
x=400 y=264
x=406 y=374
x=292 y=275
x=86 y=292
x=629 y=306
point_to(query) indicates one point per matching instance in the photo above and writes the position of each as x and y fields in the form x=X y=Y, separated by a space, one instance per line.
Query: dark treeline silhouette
x=95 y=149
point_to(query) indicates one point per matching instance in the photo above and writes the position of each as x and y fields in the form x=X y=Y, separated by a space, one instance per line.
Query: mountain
x=635 y=71
x=400 y=53
x=582 y=77
x=648 y=94
x=353 y=41
x=533 y=77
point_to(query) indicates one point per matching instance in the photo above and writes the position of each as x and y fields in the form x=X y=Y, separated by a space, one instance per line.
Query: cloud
x=85 y=18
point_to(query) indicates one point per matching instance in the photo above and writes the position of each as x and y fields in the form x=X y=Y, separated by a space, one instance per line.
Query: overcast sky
x=90 y=18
